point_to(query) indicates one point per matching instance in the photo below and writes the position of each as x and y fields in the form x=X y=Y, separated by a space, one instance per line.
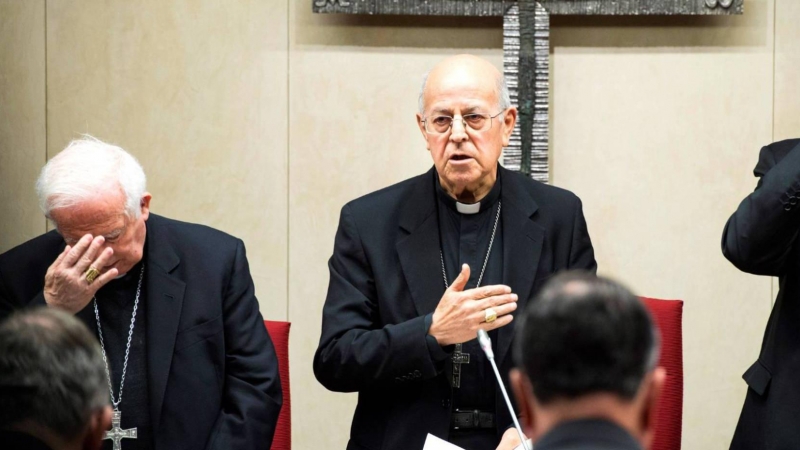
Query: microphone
x=486 y=345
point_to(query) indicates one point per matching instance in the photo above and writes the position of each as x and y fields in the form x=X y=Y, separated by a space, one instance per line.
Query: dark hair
x=51 y=372
x=585 y=334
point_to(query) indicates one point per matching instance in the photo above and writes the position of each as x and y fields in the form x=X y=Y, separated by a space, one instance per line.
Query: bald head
x=465 y=72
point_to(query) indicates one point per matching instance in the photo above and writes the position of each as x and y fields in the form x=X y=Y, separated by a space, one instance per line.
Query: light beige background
x=262 y=119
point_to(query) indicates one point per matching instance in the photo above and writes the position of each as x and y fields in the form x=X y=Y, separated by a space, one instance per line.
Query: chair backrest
x=668 y=315
x=279 y=333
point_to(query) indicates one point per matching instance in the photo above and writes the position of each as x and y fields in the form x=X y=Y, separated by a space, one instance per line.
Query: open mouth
x=459 y=158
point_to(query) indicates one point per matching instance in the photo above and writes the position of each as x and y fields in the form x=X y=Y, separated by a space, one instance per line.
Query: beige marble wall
x=197 y=91
x=22 y=118
x=263 y=119
x=657 y=128
x=787 y=69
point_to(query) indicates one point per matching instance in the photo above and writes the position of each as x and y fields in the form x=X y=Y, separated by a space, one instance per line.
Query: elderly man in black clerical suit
x=419 y=267
x=53 y=392
x=586 y=377
x=190 y=364
x=761 y=238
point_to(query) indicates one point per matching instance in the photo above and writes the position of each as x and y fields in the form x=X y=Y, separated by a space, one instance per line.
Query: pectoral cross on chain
x=459 y=358
x=116 y=433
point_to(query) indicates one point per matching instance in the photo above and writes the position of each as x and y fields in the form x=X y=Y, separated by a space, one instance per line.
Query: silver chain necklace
x=127 y=348
x=488 y=252
x=459 y=357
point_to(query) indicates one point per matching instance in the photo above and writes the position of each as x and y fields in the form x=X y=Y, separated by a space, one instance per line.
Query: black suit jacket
x=13 y=440
x=212 y=370
x=385 y=276
x=761 y=238
x=587 y=434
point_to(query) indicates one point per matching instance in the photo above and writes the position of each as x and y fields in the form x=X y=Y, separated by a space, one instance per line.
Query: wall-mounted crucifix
x=526 y=50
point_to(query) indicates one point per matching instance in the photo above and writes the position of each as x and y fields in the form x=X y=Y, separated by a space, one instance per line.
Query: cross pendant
x=116 y=433
x=459 y=358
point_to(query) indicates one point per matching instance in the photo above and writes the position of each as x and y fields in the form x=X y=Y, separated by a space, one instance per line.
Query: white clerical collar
x=465 y=208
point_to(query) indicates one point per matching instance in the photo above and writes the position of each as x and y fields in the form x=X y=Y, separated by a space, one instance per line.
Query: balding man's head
x=467 y=65
x=586 y=347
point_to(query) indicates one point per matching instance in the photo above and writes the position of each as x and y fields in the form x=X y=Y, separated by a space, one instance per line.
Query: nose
x=458 y=131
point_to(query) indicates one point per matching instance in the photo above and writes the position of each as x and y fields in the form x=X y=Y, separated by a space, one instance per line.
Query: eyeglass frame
x=463 y=123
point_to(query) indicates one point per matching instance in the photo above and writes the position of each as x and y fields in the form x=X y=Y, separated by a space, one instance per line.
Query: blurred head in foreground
x=586 y=350
x=52 y=382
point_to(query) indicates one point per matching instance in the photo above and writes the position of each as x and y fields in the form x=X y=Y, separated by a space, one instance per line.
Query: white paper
x=434 y=443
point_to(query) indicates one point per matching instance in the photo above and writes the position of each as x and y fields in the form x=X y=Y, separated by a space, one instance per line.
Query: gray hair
x=501 y=90
x=86 y=168
x=51 y=372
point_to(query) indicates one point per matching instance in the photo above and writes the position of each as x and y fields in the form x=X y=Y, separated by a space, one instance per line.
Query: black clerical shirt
x=115 y=303
x=465 y=239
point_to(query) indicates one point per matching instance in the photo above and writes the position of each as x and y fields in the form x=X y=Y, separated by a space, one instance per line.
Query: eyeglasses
x=474 y=121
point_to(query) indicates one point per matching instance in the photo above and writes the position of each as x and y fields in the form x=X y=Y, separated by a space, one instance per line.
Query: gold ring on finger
x=91 y=274
x=490 y=315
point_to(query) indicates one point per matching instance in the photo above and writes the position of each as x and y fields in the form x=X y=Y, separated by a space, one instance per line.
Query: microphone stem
x=508 y=403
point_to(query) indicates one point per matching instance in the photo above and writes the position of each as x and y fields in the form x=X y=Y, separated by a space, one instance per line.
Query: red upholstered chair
x=667 y=315
x=279 y=332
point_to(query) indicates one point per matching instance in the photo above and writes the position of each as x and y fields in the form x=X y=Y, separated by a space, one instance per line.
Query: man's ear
x=509 y=120
x=99 y=423
x=652 y=392
x=421 y=126
x=144 y=204
x=523 y=393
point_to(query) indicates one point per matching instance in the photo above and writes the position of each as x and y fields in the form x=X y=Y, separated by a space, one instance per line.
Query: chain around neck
x=127 y=348
x=488 y=251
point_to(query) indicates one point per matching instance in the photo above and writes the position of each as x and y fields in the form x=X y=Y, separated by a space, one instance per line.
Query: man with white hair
x=419 y=267
x=189 y=362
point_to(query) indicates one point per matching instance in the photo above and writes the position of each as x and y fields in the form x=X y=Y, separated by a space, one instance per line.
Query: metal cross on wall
x=526 y=50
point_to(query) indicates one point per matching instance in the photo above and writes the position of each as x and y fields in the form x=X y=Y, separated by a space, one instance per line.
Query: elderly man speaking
x=189 y=363
x=419 y=267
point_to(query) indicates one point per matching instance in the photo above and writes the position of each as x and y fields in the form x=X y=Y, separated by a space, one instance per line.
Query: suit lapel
x=164 y=302
x=419 y=249
x=522 y=247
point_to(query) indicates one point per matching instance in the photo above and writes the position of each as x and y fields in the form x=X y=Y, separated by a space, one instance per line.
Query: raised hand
x=461 y=313
x=65 y=283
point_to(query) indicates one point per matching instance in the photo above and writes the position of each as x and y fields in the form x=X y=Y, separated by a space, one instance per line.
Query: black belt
x=468 y=420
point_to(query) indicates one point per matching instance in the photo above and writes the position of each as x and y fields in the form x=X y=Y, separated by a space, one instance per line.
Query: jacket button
x=446 y=403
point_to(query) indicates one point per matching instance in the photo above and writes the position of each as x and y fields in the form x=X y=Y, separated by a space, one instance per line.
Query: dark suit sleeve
x=355 y=352
x=581 y=255
x=7 y=306
x=252 y=395
x=762 y=231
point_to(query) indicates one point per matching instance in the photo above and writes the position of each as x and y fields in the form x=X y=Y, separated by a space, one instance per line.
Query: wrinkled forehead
x=100 y=216
x=462 y=89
